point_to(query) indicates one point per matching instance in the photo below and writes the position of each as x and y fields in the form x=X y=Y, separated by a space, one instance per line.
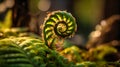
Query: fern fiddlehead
x=32 y=52
x=58 y=24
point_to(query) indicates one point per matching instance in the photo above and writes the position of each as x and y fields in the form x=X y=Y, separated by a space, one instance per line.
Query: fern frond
x=12 y=56
x=58 y=24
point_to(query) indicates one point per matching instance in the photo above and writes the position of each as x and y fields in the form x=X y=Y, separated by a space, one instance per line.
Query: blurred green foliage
x=7 y=22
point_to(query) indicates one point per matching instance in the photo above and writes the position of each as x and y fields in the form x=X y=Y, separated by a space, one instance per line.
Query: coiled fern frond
x=32 y=52
x=58 y=24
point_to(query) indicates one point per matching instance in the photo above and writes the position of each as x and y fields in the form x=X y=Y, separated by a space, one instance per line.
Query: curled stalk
x=58 y=24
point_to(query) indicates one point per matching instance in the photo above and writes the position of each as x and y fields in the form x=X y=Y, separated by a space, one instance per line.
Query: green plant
x=31 y=52
x=72 y=53
x=7 y=21
x=58 y=24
